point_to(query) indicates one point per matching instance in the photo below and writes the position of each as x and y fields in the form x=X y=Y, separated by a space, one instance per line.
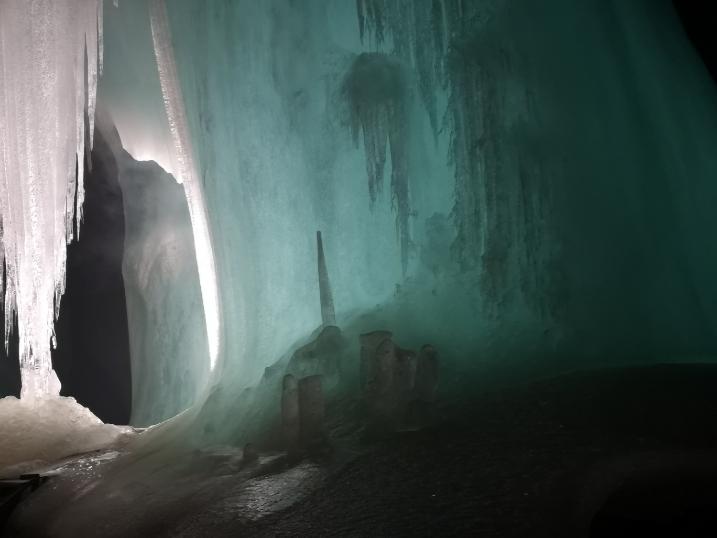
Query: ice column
x=44 y=92
x=187 y=170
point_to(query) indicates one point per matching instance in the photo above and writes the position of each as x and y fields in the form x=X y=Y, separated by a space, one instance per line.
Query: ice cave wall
x=265 y=90
x=578 y=184
x=507 y=180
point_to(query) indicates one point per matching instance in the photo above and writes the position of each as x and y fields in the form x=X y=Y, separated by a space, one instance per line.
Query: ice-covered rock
x=291 y=426
x=369 y=342
x=405 y=375
x=400 y=385
x=311 y=409
x=427 y=374
x=320 y=356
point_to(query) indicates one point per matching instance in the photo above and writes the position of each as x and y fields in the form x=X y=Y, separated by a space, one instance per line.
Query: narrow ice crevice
x=45 y=90
x=186 y=171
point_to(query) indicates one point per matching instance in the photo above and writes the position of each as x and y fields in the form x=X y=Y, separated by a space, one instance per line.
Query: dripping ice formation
x=50 y=60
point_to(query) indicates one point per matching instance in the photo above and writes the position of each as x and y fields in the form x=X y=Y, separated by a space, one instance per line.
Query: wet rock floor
x=529 y=461
x=535 y=460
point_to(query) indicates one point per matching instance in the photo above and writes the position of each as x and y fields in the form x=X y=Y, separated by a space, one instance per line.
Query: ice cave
x=358 y=268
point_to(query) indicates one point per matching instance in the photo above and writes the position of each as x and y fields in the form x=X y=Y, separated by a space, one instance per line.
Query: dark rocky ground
x=628 y=452
x=536 y=460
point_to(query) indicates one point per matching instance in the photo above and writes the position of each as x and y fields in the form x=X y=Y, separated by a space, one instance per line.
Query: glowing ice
x=187 y=171
x=44 y=93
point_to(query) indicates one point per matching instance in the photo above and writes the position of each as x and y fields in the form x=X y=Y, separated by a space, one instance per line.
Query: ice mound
x=39 y=431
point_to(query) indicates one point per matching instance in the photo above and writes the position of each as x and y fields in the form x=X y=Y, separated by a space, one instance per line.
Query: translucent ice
x=187 y=171
x=49 y=64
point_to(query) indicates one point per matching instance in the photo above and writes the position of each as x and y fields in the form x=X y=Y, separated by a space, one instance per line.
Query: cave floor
x=530 y=461
x=534 y=460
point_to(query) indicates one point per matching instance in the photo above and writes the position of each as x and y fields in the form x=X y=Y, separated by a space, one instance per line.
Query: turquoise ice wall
x=263 y=85
x=547 y=194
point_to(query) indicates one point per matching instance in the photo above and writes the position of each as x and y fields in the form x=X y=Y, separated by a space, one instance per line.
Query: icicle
x=450 y=47
x=377 y=95
x=361 y=18
x=43 y=45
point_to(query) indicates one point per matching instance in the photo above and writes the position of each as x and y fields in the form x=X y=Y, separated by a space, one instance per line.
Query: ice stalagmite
x=49 y=64
x=328 y=314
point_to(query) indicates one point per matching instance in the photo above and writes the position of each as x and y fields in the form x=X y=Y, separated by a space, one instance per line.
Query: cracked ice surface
x=44 y=93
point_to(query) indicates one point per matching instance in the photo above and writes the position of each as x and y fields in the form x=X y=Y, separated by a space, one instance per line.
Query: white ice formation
x=50 y=60
x=42 y=431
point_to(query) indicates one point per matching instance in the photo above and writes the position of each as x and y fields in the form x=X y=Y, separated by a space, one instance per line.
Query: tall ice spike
x=328 y=315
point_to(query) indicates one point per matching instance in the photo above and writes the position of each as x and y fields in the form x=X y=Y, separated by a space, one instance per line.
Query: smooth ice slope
x=50 y=58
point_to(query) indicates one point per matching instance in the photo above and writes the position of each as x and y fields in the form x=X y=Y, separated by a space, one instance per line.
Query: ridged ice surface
x=44 y=93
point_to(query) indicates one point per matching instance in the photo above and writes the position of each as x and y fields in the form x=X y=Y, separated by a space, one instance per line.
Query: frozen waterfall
x=50 y=58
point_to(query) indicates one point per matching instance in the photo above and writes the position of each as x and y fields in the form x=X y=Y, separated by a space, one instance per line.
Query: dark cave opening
x=92 y=358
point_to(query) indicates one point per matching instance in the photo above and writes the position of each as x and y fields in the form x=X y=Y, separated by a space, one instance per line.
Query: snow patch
x=40 y=431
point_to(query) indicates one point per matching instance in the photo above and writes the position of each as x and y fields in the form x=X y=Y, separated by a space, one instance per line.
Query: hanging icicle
x=50 y=59
x=452 y=47
x=377 y=94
